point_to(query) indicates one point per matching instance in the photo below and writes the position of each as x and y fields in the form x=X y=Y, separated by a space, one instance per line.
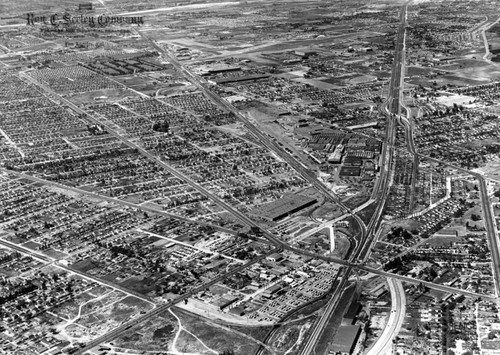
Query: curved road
x=395 y=321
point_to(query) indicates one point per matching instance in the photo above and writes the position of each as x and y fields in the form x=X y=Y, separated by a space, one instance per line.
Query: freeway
x=383 y=181
x=395 y=321
x=413 y=186
x=297 y=166
x=408 y=125
x=409 y=129
x=382 y=185
x=357 y=265
x=317 y=330
x=242 y=217
x=118 y=331
x=354 y=265
x=391 y=108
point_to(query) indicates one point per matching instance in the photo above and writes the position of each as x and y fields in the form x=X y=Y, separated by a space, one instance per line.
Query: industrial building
x=283 y=207
x=217 y=69
x=233 y=79
x=345 y=340
x=350 y=171
x=336 y=156
x=352 y=312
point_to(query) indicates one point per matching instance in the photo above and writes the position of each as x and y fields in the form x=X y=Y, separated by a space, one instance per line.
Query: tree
x=162 y=126
x=475 y=217
x=255 y=230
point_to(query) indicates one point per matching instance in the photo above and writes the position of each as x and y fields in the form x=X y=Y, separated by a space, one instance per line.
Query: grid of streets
x=291 y=178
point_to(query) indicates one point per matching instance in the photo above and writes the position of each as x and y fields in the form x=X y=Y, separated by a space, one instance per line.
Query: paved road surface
x=383 y=344
x=46 y=259
x=328 y=310
x=391 y=108
x=115 y=200
x=163 y=308
x=428 y=284
x=489 y=219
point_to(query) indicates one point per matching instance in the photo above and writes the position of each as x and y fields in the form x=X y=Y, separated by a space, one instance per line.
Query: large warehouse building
x=345 y=340
x=283 y=207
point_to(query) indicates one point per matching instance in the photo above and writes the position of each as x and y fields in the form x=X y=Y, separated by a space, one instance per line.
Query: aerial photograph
x=250 y=177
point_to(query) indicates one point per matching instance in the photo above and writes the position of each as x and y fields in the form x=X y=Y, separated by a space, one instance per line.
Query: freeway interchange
x=367 y=233
x=359 y=254
x=390 y=108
